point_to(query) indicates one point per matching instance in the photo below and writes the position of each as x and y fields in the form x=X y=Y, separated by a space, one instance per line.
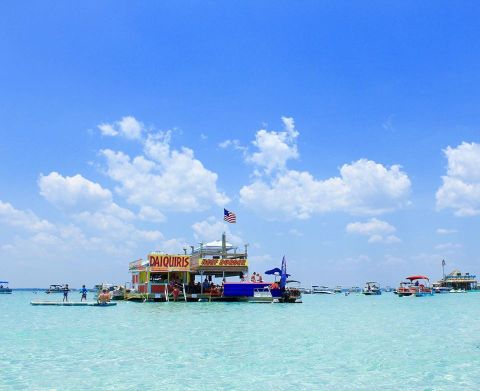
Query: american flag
x=229 y=217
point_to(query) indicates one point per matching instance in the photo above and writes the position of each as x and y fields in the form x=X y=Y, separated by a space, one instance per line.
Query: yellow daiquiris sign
x=166 y=262
x=223 y=262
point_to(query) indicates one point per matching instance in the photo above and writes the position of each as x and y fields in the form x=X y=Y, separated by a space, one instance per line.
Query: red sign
x=223 y=262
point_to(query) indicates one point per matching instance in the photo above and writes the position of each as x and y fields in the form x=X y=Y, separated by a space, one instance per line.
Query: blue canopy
x=277 y=272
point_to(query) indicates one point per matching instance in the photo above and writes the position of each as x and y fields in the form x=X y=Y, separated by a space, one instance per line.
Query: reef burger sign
x=166 y=262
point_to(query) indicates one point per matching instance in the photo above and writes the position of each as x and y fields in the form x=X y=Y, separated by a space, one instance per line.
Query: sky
x=343 y=134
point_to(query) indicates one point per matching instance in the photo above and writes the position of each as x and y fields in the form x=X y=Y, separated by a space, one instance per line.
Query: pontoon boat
x=416 y=286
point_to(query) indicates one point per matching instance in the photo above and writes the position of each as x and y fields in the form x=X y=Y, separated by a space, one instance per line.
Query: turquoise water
x=328 y=343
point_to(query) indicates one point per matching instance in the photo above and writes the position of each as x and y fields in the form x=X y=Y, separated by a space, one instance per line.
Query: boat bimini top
x=413 y=278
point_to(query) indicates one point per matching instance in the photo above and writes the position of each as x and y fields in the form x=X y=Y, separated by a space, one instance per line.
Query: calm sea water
x=326 y=343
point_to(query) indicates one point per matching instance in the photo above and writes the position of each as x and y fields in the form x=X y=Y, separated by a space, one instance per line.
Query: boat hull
x=247 y=289
x=72 y=304
x=415 y=293
x=260 y=300
x=372 y=293
x=242 y=291
x=423 y=294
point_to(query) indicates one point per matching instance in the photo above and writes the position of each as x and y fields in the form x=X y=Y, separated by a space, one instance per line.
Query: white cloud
x=235 y=144
x=107 y=130
x=148 y=235
x=275 y=148
x=460 y=190
x=464 y=161
x=127 y=127
x=73 y=192
x=211 y=229
x=364 y=187
x=45 y=236
x=24 y=219
x=370 y=227
x=174 y=246
x=92 y=207
x=378 y=231
x=164 y=178
x=151 y=214
x=446 y=231
x=448 y=246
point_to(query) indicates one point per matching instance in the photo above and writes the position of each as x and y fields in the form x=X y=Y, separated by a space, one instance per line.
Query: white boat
x=441 y=289
x=55 y=288
x=119 y=292
x=322 y=290
x=262 y=295
x=372 y=289
x=458 y=291
x=306 y=291
x=4 y=289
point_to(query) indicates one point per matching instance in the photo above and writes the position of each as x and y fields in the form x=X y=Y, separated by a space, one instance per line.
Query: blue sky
x=343 y=134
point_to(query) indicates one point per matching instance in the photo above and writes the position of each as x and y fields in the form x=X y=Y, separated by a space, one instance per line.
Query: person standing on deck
x=65 y=292
x=84 y=293
x=206 y=284
x=176 y=292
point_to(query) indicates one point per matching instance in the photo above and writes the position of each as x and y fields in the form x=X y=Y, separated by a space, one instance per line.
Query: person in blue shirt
x=84 y=293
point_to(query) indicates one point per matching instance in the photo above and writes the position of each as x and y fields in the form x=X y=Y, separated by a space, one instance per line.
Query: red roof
x=413 y=278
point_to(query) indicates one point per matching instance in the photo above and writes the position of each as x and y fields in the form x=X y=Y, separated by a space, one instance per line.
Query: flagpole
x=443 y=268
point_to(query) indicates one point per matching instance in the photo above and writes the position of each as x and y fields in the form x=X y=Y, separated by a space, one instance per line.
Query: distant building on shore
x=457 y=280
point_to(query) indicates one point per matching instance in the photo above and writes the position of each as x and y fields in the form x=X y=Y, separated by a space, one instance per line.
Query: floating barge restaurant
x=457 y=280
x=166 y=277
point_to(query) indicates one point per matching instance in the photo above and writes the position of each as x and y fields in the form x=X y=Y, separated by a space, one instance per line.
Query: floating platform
x=73 y=303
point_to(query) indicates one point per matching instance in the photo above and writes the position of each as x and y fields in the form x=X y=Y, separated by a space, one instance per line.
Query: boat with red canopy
x=415 y=286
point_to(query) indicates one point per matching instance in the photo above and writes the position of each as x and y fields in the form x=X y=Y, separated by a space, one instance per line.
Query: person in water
x=103 y=297
x=84 y=293
x=65 y=292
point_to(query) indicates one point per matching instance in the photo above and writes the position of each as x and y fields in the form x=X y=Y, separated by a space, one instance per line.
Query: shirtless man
x=104 y=297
